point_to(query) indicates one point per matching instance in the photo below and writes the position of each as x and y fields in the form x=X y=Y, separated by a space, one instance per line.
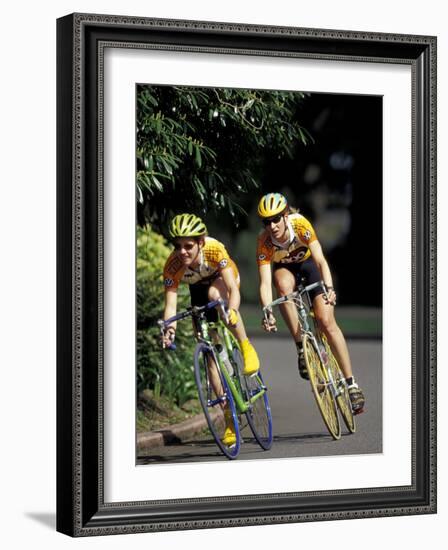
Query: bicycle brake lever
x=224 y=312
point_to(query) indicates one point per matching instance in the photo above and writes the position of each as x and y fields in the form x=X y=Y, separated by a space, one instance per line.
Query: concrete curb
x=175 y=434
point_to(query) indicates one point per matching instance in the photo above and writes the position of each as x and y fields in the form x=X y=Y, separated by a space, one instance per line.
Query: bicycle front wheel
x=258 y=414
x=217 y=402
x=321 y=387
x=342 y=396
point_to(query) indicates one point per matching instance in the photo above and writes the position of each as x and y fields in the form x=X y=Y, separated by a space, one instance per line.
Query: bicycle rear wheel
x=216 y=400
x=258 y=414
x=342 y=396
x=321 y=387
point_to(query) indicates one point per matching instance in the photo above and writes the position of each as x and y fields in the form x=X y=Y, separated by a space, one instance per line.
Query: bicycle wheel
x=321 y=388
x=216 y=400
x=342 y=396
x=258 y=414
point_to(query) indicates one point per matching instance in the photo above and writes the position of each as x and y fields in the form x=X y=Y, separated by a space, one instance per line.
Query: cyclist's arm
x=170 y=305
x=230 y=281
x=265 y=273
x=321 y=263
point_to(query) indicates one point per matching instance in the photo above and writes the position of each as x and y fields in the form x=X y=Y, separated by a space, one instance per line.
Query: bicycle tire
x=321 y=389
x=212 y=404
x=342 y=397
x=259 y=416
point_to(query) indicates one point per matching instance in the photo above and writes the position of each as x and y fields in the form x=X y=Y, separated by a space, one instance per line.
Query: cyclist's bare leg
x=327 y=323
x=213 y=374
x=215 y=380
x=285 y=283
x=218 y=290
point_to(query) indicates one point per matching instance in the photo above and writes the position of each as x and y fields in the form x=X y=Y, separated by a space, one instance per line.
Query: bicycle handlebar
x=194 y=311
x=301 y=290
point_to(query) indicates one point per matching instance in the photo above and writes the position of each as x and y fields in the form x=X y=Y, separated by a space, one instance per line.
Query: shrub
x=164 y=372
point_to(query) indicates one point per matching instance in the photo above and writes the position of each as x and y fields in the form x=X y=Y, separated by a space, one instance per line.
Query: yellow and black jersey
x=214 y=258
x=296 y=250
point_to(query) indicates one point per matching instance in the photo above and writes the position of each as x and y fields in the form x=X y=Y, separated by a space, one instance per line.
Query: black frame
x=81 y=510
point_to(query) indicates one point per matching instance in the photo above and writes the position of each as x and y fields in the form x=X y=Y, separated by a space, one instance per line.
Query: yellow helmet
x=187 y=225
x=271 y=205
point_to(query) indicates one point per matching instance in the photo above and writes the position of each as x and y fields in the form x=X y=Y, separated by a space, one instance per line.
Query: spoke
x=321 y=389
x=343 y=398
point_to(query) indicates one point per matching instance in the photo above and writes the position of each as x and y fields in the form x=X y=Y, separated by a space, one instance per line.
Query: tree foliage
x=198 y=149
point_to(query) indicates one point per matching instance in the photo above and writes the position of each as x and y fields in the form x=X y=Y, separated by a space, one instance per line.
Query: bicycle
x=327 y=381
x=224 y=392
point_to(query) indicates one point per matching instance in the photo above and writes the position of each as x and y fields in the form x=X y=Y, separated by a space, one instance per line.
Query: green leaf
x=248 y=104
x=200 y=187
x=156 y=182
x=167 y=166
x=149 y=163
x=198 y=158
x=139 y=195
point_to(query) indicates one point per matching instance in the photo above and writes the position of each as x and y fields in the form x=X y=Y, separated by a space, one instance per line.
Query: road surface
x=298 y=427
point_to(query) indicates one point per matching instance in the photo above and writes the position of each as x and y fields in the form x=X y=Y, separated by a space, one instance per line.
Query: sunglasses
x=275 y=219
x=186 y=247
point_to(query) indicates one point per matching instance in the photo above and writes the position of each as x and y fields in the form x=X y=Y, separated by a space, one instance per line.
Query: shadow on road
x=207 y=450
x=303 y=438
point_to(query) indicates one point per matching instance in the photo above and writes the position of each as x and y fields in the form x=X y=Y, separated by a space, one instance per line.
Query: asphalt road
x=298 y=427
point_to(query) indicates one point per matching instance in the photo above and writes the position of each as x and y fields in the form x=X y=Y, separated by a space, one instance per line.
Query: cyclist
x=288 y=249
x=204 y=264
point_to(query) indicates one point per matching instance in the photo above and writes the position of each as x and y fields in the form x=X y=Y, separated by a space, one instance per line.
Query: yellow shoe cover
x=229 y=437
x=251 y=361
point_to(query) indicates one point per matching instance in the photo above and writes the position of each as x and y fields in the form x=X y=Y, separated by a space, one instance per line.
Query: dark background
x=336 y=182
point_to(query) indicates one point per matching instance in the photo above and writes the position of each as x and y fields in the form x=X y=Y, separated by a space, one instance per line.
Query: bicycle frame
x=297 y=298
x=205 y=335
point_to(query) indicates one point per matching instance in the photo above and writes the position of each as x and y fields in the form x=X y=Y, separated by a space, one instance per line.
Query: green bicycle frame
x=228 y=340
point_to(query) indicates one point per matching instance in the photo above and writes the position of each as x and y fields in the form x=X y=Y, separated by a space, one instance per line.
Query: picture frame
x=81 y=506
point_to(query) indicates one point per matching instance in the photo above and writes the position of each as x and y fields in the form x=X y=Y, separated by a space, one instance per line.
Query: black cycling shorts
x=199 y=297
x=305 y=272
